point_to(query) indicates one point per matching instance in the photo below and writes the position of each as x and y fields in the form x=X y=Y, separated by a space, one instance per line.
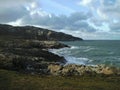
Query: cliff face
x=30 y=32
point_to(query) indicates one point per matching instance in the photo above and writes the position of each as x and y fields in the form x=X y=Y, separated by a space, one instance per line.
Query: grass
x=10 y=80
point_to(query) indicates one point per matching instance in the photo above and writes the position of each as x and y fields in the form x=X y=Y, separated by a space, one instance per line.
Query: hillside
x=30 y=32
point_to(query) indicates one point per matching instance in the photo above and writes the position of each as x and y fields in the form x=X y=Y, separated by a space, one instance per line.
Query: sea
x=91 y=52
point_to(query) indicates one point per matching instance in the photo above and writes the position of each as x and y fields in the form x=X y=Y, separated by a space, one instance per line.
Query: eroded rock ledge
x=23 y=54
x=33 y=57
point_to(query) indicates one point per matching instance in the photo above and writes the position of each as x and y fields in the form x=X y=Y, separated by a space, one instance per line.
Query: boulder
x=69 y=70
x=55 y=69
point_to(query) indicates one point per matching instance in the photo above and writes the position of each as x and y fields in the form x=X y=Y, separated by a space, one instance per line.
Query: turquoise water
x=92 y=52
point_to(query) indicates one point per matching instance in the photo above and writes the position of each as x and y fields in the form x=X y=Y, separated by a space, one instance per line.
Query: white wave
x=74 y=60
x=74 y=47
x=61 y=52
x=68 y=55
x=89 y=49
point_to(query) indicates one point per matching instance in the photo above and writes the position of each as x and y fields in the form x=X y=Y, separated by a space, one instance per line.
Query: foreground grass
x=10 y=80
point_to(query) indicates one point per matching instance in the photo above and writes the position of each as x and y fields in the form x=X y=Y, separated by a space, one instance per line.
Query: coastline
x=81 y=69
x=93 y=52
x=27 y=64
x=49 y=72
x=34 y=57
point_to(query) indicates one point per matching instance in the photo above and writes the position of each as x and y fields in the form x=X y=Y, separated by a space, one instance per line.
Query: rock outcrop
x=30 y=32
x=31 y=44
x=72 y=69
x=23 y=54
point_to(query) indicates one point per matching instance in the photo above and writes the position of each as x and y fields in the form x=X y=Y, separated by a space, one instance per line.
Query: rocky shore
x=23 y=54
x=31 y=55
x=79 y=70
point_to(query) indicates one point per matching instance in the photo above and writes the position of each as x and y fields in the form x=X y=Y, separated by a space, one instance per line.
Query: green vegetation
x=10 y=80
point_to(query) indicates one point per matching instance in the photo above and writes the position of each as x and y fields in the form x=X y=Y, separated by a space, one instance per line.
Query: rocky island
x=26 y=50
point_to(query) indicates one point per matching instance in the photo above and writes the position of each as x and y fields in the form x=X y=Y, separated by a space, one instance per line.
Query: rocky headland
x=31 y=32
x=25 y=49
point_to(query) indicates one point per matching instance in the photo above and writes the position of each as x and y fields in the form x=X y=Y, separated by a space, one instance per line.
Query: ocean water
x=91 y=52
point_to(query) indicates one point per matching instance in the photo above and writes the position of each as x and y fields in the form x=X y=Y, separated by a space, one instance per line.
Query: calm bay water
x=92 y=52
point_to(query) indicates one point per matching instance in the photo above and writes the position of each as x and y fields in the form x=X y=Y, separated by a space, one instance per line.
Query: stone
x=55 y=69
x=110 y=70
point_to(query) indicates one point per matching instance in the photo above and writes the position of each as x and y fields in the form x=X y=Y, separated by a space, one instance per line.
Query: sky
x=88 y=19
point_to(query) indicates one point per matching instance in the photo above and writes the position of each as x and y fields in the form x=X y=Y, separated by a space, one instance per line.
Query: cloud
x=112 y=10
x=14 y=3
x=10 y=10
x=10 y=14
x=115 y=27
x=98 y=19
x=84 y=2
x=105 y=11
x=75 y=21
x=94 y=35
